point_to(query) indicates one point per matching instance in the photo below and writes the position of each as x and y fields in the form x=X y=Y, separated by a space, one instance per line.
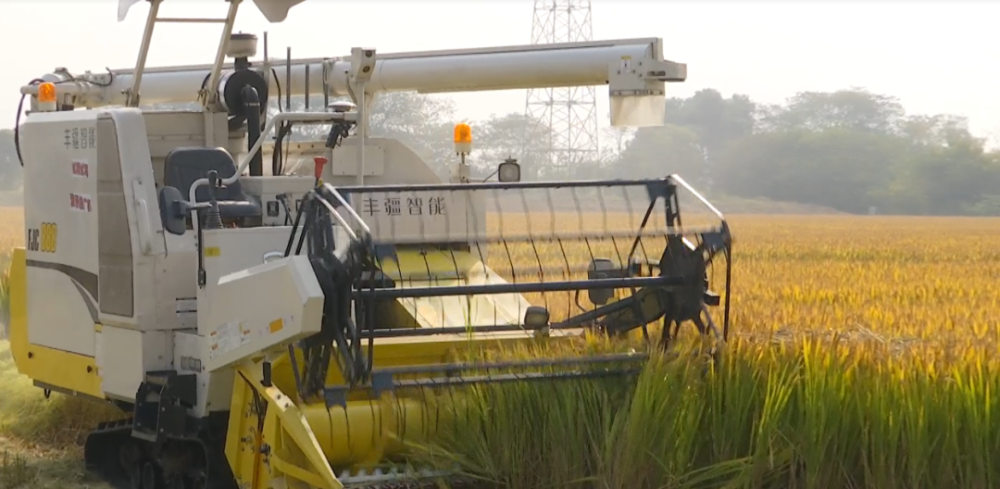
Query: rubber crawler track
x=128 y=462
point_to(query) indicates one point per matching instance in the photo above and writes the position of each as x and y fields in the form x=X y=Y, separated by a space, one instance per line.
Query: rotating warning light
x=463 y=133
x=47 y=96
x=463 y=138
x=47 y=92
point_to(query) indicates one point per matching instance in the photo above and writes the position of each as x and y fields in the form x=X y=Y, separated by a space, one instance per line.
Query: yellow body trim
x=289 y=439
x=297 y=472
x=56 y=368
x=302 y=441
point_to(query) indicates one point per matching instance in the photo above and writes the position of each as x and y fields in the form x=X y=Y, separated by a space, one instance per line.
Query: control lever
x=320 y=162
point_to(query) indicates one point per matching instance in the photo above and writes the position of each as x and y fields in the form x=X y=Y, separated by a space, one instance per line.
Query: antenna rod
x=288 y=79
x=267 y=73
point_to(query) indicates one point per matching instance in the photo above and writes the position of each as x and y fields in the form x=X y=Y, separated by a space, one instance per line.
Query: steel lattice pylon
x=570 y=114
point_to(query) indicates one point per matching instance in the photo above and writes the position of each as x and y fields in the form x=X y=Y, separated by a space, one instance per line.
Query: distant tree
x=513 y=135
x=949 y=174
x=717 y=121
x=856 y=109
x=617 y=141
x=839 y=168
x=659 y=151
x=847 y=149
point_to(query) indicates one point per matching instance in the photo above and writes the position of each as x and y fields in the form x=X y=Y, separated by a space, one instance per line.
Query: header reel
x=428 y=250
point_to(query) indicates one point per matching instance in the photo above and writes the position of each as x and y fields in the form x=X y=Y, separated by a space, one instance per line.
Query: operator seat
x=183 y=166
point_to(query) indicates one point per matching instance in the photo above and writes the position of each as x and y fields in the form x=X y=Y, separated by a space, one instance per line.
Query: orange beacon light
x=46 y=97
x=463 y=138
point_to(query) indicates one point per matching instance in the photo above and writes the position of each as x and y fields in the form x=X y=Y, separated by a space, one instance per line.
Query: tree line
x=851 y=150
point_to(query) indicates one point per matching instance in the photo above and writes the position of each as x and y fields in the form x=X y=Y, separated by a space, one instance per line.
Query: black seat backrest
x=183 y=166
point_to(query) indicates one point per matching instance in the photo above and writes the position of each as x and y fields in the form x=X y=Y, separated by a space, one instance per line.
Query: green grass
x=810 y=415
x=42 y=438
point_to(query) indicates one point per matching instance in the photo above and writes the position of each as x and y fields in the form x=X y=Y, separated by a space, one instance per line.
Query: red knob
x=318 y=169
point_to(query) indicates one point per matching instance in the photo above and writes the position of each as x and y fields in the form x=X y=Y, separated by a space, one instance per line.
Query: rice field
x=864 y=356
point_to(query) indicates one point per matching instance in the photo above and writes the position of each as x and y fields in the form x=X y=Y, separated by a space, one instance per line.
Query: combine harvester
x=252 y=326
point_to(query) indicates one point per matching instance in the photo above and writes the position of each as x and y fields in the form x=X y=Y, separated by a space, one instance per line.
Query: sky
x=933 y=55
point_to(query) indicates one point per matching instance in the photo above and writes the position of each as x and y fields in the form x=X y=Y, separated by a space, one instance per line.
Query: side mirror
x=173 y=210
x=509 y=171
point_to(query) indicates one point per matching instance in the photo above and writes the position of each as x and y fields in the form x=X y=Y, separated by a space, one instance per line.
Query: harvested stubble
x=864 y=355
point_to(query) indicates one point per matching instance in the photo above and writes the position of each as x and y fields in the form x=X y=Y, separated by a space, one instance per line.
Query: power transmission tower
x=567 y=117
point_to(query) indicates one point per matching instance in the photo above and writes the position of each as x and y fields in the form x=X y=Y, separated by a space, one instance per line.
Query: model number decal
x=81 y=169
x=79 y=202
x=44 y=238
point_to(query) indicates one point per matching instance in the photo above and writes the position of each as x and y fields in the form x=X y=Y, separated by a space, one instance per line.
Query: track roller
x=127 y=462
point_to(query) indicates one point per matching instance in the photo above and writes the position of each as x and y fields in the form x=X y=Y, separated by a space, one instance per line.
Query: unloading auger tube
x=633 y=69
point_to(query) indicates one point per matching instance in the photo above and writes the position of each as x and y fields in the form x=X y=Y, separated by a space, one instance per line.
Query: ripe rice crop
x=864 y=354
x=11 y=235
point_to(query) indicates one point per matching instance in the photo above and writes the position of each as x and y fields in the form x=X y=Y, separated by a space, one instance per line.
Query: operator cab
x=184 y=166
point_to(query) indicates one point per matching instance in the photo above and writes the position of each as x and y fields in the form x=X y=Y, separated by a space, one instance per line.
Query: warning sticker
x=279 y=324
x=276 y=325
x=225 y=339
x=236 y=334
x=626 y=63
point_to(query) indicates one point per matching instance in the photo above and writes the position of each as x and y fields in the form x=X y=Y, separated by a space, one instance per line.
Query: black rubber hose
x=251 y=104
x=17 y=122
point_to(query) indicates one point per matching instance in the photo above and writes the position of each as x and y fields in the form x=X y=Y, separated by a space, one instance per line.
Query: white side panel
x=154 y=292
x=233 y=250
x=125 y=355
x=140 y=195
x=401 y=164
x=268 y=188
x=69 y=326
x=167 y=130
x=215 y=389
x=345 y=159
x=411 y=217
x=177 y=282
x=265 y=306
x=60 y=207
x=405 y=217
